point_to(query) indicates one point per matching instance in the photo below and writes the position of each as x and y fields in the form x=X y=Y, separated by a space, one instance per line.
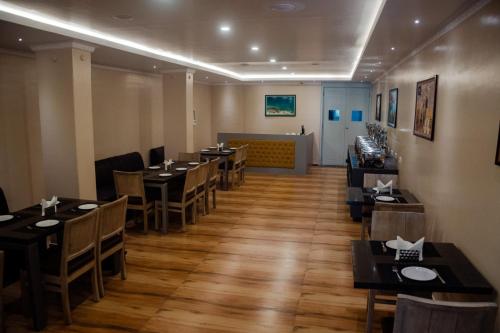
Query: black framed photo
x=378 y=108
x=497 y=158
x=425 y=108
x=392 y=111
x=280 y=105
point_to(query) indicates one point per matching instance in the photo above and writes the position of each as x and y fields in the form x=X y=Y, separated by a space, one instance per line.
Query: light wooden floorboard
x=273 y=257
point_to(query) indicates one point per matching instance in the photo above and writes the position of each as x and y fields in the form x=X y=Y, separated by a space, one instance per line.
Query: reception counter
x=273 y=153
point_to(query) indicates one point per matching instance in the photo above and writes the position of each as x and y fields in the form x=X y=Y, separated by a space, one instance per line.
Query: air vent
x=286 y=6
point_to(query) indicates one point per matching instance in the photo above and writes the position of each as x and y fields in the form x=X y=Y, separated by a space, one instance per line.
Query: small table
x=364 y=197
x=20 y=234
x=224 y=156
x=372 y=269
x=153 y=179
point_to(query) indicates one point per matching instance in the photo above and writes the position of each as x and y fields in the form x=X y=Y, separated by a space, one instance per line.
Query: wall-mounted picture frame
x=392 y=110
x=378 y=108
x=280 y=105
x=425 y=108
x=497 y=158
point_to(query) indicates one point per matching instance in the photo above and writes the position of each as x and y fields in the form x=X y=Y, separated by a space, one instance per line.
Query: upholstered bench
x=268 y=153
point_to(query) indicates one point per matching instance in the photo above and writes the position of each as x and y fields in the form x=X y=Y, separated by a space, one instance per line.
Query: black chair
x=4 y=208
x=157 y=155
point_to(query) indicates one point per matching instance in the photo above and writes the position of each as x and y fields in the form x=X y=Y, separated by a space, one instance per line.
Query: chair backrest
x=190 y=183
x=189 y=157
x=422 y=315
x=129 y=183
x=244 y=153
x=157 y=155
x=112 y=218
x=80 y=235
x=202 y=178
x=370 y=179
x=213 y=169
x=237 y=156
x=4 y=207
x=399 y=207
x=387 y=225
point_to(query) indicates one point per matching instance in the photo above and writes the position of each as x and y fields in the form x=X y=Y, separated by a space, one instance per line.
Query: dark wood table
x=22 y=236
x=153 y=179
x=372 y=269
x=365 y=197
x=224 y=156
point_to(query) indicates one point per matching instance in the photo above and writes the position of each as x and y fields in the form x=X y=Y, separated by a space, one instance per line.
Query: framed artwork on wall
x=392 y=111
x=280 y=106
x=497 y=158
x=378 y=108
x=425 y=108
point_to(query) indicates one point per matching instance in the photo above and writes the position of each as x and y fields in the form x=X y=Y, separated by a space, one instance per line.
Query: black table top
x=366 y=196
x=153 y=175
x=372 y=269
x=22 y=228
x=215 y=152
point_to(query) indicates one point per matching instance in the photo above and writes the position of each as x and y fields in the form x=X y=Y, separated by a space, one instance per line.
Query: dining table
x=359 y=198
x=375 y=268
x=159 y=177
x=21 y=235
x=224 y=156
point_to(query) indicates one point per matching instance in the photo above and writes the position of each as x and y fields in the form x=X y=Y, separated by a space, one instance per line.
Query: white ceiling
x=316 y=38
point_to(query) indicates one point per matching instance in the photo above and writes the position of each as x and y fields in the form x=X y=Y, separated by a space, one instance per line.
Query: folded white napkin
x=381 y=187
x=402 y=244
x=51 y=203
x=168 y=163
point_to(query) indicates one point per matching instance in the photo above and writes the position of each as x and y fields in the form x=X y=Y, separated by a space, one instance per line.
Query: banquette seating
x=157 y=155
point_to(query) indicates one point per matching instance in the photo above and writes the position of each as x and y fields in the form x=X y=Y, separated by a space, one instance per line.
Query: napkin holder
x=413 y=253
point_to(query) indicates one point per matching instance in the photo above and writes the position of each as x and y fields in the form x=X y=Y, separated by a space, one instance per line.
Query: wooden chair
x=131 y=184
x=189 y=157
x=178 y=202
x=394 y=207
x=2 y=321
x=212 y=183
x=421 y=315
x=387 y=225
x=234 y=167
x=370 y=179
x=201 y=186
x=75 y=257
x=111 y=236
x=243 y=162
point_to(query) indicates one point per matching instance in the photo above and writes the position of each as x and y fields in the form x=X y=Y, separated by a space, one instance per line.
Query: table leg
x=370 y=309
x=226 y=173
x=164 y=211
x=36 y=288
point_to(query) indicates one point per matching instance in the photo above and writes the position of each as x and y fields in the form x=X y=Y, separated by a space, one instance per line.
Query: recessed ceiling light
x=206 y=77
x=417 y=21
x=393 y=48
x=272 y=60
x=254 y=48
x=225 y=28
x=155 y=67
x=19 y=39
x=284 y=68
x=371 y=70
x=366 y=76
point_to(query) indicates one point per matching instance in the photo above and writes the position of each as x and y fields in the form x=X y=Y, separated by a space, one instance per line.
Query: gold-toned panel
x=268 y=153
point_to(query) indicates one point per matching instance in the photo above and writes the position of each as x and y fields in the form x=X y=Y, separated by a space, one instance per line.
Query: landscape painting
x=280 y=105
x=425 y=108
x=392 y=112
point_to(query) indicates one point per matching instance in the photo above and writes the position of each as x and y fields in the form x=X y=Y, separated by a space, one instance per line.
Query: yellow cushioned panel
x=268 y=153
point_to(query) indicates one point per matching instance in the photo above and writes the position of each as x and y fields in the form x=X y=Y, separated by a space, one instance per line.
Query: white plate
x=154 y=167
x=212 y=147
x=227 y=151
x=46 y=223
x=165 y=174
x=87 y=206
x=393 y=244
x=194 y=163
x=4 y=218
x=205 y=150
x=232 y=148
x=418 y=273
x=181 y=169
x=384 y=198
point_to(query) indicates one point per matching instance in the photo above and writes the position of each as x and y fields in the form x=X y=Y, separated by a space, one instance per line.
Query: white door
x=345 y=112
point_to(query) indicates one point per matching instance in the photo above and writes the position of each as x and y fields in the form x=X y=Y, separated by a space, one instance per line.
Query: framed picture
x=392 y=112
x=425 y=108
x=378 y=108
x=280 y=105
x=497 y=158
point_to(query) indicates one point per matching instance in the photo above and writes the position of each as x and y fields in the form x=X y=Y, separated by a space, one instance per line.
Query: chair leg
x=194 y=212
x=370 y=309
x=65 y=304
x=214 y=199
x=183 y=218
x=207 y=202
x=95 y=284
x=204 y=210
x=100 y=278
x=124 y=267
x=145 y=214
x=363 y=227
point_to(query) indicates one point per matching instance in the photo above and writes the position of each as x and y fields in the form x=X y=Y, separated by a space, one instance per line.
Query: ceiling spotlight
x=371 y=70
x=366 y=76
x=393 y=48
x=380 y=62
x=206 y=77
x=225 y=28
x=19 y=39
x=254 y=48
x=417 y=21
x=284 y=68
x=155 y=67
x=272 y=60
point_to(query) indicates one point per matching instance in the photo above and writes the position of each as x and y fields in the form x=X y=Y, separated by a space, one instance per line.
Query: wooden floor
x=274 y=257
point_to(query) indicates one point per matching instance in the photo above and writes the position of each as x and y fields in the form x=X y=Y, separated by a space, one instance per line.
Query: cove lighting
x=38 y=20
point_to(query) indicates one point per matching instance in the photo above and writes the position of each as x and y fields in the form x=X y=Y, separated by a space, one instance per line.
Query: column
x=67 y=133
